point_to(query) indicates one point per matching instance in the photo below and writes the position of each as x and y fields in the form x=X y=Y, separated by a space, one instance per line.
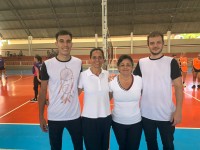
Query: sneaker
x=184 y=85
x=33 y=100
x=198 y=86
x=194 y=86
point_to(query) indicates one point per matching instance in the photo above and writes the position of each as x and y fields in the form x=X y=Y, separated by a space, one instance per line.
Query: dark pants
x=2 y=68
x=96 y=133
x=128 y=136
x=166 y=133
x=36 y=83
x=56 y=131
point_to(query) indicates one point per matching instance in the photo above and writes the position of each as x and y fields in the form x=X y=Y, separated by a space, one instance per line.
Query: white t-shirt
x=62 y=79
x=126 y=102
x=96 y=94
x=157 y=76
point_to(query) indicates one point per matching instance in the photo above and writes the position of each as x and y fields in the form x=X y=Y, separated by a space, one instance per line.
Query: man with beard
x=158 y=73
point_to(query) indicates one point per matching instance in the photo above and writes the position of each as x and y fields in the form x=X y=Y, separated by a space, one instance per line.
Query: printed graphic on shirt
x=66 y=87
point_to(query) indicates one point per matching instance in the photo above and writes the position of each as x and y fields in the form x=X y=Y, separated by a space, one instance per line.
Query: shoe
x=198 y=86
x=194 y=86
x=184 y=85
x=33 y=100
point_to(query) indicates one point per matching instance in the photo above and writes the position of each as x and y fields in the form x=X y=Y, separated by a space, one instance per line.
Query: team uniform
x=183 y=64
x=196 y=64
x=36 y=69
x=184 y=68
x=96 y=114
x=126 y=113
x=157 y=106
x=63 y=109
x=196 y=71
x=2 y=67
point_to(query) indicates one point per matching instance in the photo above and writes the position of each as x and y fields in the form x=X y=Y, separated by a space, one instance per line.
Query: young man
x=61 y=75
x=158 y=72
x=196 y=71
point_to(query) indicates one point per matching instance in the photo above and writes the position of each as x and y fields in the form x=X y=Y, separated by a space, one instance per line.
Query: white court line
x=189 y=128
x=10 y=149
x=17 y=79
x=192 y=96
x=14 y=109
x=28 y=77
x=21 y=78
x=21 y=104
x=20 y=124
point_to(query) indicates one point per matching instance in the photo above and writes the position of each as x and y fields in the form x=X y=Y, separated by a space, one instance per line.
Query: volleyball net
x=109 y=51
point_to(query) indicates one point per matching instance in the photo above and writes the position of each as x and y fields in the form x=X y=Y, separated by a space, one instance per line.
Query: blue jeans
x=166 y=133
x=56 y=131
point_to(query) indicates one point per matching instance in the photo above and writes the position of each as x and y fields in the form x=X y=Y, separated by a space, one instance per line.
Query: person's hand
x=43 y=125
x=176 y=118
x=111 y=77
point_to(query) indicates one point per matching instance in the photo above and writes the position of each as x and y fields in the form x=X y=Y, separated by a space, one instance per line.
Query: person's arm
x=110 y=88
x=3 y=63
x=79 y=91
x=137 y=70
x=42 y=97
x=178 y=87
x=111 y=95
x=38 y=75
x=42 y=102
x=80 y=83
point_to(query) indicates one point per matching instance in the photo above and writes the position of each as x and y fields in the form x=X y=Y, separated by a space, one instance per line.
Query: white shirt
x=126 y=102
x=96 y=94
x=62 y=79
x=156 y=102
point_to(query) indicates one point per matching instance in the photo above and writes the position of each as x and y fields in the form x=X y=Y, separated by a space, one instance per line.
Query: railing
x=28 y=60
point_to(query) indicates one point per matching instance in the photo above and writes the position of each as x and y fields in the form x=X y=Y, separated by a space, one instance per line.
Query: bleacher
x=16 y=62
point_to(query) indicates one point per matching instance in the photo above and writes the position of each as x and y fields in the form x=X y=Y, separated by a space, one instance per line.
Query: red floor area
x=18 y=90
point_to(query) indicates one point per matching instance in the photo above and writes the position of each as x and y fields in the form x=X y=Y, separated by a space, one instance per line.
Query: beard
x=156 y=52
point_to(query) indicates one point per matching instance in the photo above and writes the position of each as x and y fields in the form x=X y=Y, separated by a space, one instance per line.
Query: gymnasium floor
x=19 y=128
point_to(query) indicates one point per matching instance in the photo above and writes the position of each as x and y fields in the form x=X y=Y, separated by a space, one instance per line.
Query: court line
x=192 y=96
x=10 y=149
x=21 y=77
x=29 y=124
x=17 y=79
x=14 y=109
x=189 y=128
x=28 y=77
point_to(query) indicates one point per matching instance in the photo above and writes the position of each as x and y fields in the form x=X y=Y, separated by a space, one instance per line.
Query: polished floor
x=19 y=128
